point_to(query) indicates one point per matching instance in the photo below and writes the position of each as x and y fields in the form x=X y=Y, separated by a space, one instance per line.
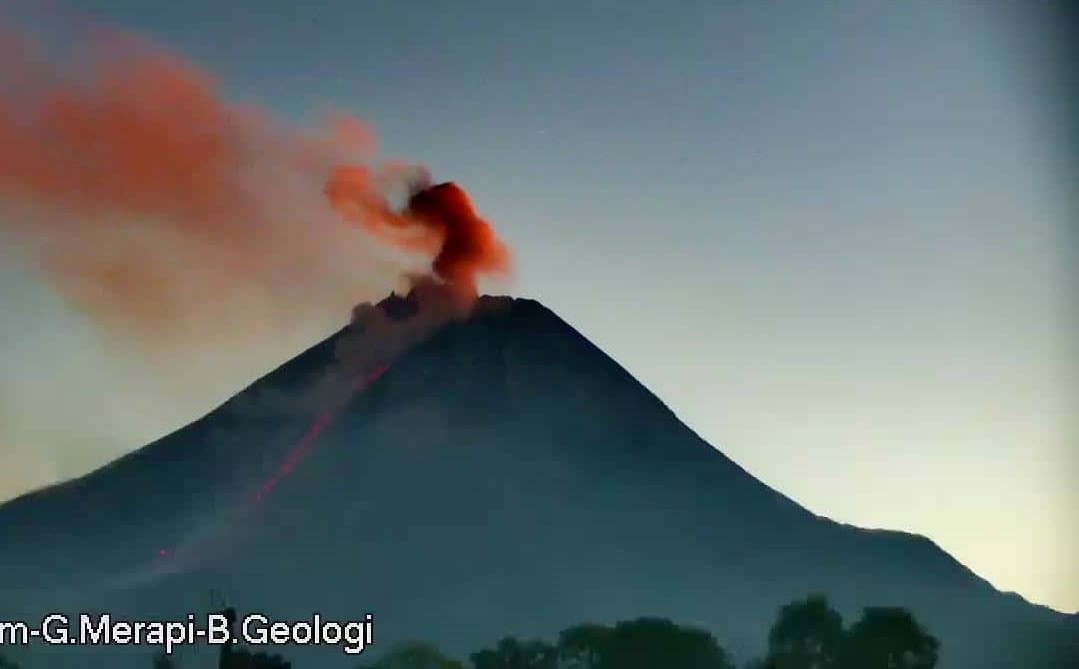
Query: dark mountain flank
x=501 y=476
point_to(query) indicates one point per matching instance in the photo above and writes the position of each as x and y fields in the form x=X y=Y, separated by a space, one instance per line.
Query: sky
x=830 y=236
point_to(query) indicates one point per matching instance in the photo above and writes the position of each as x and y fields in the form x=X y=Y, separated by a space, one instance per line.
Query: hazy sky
x=829 y=235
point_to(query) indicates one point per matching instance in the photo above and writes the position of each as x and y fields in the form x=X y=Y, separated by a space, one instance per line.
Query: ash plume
x=200 y=236
x=170 y=214
x=439 y=219
x=378 y=333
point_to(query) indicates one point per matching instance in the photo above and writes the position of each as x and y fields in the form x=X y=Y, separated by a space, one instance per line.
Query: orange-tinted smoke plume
x=438 y=219
x=154 y=202
x=469 y=244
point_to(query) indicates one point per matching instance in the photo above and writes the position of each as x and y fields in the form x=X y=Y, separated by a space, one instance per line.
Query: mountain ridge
x=541 y=445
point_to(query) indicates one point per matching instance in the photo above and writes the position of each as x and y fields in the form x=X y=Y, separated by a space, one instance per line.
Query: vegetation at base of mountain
x=807 y=634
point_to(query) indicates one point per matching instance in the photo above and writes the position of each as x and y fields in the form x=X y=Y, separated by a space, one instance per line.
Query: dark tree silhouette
x=646 y=643
x=643 y=643
x=413 y=655
x=225 y=659
x=889 y=638
x=242 y=658
x=584 y=646
x=232 y=657
x=161 y=661
x=511 y=653
x=807 y=634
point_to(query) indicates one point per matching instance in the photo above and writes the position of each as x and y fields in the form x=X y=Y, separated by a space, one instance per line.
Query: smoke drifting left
x=163 y=210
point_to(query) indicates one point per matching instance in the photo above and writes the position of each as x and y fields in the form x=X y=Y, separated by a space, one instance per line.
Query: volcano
x=502 y=476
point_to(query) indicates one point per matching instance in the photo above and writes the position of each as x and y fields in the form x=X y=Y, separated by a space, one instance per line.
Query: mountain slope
x=504 y=476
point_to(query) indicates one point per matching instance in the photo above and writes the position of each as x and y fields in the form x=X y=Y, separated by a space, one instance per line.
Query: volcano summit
x=499 y=474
